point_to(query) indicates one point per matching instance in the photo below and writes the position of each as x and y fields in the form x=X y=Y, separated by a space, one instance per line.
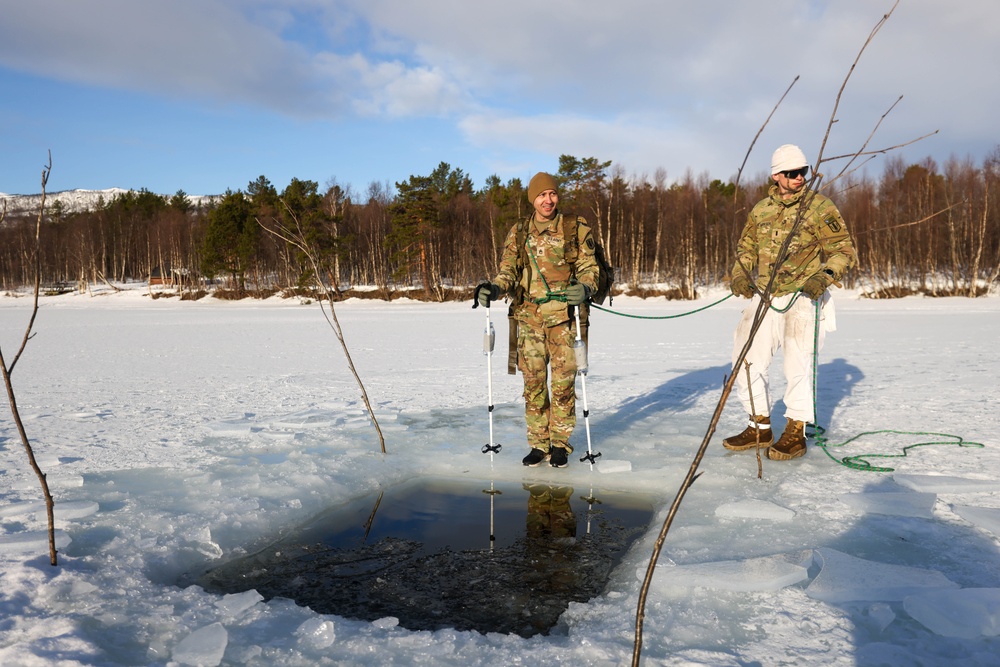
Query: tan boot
x=791 y=444
x=749 y=437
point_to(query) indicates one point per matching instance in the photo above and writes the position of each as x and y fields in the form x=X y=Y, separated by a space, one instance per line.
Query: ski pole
x=492 y=493
x=489 y=338
x=580 y=351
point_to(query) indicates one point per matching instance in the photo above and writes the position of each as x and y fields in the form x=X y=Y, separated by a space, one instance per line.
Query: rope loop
x=856 y=462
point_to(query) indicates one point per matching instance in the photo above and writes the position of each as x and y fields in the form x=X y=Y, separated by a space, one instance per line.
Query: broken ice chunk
x=845 y=578
x=988 y=519
x=203 y=647
x=906 y=503
x=968 y=613
x=945 y=484
x=235 y=604
x=755 y=509
x=767 y=573
x=35 y=540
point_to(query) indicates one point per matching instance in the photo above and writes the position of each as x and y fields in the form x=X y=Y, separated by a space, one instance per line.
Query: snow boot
x=748 y=438
x=791 y=444
x=558 y=457
x=535 y=457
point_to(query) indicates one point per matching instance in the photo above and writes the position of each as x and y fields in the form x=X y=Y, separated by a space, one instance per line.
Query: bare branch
x=843 y=86
x=297 y=238
x=746 y=157
x=6 y=371
x=910 y=224
x=36 y=252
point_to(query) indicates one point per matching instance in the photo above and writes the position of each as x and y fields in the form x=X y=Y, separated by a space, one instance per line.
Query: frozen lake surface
x=178 y=437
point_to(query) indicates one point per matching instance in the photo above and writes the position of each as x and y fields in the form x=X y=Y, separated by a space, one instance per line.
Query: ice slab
x=968 y=613
x=18 y=509
x=55 y=481
x=317 y=633
x=32 y=541
x=984 y=517
x=611 y=465
x=203 y=647
x=880 y=615
x=945 y=484
x=74 y=509
x=846 y=578
x=754 y=509
x=766 y=573
x=230 y=428
x=906 y=503
x=307 y=419
x=234 y=604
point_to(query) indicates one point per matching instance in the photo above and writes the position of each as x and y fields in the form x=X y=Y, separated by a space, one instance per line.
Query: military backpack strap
x=511 y=342
x=517 y=297
x=571 y=239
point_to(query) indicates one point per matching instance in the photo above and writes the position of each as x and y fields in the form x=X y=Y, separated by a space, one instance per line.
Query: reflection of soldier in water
x=551 y=542
x=549 y=511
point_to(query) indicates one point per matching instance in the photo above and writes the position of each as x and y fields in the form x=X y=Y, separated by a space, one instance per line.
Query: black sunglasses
x=795 y=173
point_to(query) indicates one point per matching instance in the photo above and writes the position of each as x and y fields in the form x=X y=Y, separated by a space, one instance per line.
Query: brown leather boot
x=791 y=444
x=748 y=438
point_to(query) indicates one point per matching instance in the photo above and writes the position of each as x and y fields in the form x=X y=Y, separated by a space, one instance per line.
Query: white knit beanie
x=788 y=157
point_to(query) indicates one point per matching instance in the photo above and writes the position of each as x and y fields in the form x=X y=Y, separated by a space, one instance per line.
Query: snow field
x=178 y=435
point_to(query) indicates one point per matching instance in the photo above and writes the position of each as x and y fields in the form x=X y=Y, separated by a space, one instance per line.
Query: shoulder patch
x=590 y=242
x=833 y=224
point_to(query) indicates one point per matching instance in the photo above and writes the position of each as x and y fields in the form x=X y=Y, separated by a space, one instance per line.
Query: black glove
x=816 y=284
x=740 y=285
x=577 y=293
x=486 y=292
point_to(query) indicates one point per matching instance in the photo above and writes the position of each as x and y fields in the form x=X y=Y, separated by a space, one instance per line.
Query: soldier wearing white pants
x=819 y=254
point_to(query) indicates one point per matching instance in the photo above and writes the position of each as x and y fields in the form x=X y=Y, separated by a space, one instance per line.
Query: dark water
x=504 y=557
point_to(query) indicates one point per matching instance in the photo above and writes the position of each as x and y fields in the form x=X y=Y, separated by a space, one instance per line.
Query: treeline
x=917 y=228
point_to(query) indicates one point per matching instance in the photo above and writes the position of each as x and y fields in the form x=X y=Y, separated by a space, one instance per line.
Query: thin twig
x=843 y=86
x=746 y=157
x=297 y=238
x=910 y=224
x=7 y=370
x=756 y=424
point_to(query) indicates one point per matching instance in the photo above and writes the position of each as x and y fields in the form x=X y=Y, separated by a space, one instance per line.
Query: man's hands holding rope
x=740 y=285
x=816 y=284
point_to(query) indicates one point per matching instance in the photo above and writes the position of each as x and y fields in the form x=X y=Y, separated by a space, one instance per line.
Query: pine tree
x=230 y=239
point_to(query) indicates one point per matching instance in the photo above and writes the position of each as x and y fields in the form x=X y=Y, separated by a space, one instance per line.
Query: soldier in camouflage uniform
x=819 y=255
x=545 y=289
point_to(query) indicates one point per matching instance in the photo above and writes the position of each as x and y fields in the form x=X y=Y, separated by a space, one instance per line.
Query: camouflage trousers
x=549 y=511
x=550 y=420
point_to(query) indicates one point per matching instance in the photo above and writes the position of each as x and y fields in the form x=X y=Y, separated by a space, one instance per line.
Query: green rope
x=690 y=312
x=861 y=461
x=856 y=462
x=659 y=317
x=549 y=294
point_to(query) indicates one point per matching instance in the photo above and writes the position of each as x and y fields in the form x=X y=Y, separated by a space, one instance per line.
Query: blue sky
x=207 y=95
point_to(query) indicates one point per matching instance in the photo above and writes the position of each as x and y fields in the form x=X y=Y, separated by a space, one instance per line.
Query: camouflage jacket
x=534 y=273
x=821 y=242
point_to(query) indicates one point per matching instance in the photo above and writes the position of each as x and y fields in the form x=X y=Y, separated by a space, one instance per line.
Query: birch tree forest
x=919 y=228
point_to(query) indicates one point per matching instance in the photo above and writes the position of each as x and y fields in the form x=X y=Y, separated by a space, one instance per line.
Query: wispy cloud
x=669 y=84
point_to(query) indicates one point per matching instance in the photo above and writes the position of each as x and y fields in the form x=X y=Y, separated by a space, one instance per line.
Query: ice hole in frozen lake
x=503 y=557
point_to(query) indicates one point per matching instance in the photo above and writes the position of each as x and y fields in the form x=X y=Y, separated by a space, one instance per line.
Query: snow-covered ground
x=177 y=435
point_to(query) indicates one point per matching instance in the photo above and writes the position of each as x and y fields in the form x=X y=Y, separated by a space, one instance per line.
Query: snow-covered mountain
x=78 y=200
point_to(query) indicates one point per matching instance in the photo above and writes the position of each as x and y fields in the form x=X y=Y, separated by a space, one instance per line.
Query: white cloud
x=393 y=89
x=647 y=84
